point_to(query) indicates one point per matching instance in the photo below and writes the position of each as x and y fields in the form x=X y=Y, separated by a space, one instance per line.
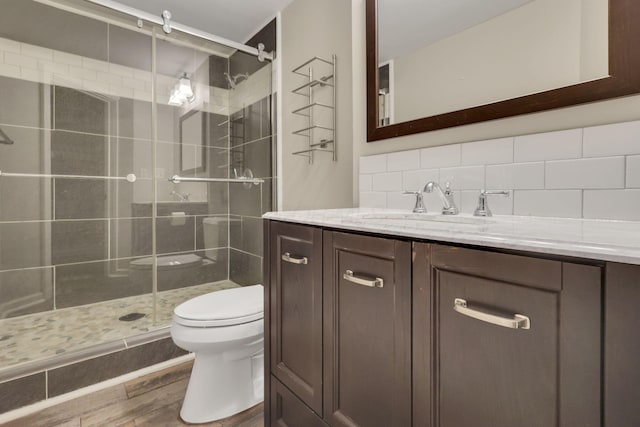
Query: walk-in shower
x=115 y=203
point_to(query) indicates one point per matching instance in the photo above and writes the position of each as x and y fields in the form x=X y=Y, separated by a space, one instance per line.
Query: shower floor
x=42 y=335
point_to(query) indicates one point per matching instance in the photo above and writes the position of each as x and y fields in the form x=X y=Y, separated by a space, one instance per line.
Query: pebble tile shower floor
x=43 y=335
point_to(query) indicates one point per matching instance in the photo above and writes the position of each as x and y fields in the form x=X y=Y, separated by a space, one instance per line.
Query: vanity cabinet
x=367 y=330
x=504 y=340
x=374 y=331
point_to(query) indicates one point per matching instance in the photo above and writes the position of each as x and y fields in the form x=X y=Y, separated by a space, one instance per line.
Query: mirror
x=193 y=132
x=434 y=64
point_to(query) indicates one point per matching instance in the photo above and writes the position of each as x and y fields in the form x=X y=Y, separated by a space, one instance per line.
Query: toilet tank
x=216 y=234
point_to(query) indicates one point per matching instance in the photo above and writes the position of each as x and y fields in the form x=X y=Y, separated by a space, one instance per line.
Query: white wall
x=316 y=28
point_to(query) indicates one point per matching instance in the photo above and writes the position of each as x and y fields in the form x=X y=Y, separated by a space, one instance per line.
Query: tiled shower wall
x=589 y=172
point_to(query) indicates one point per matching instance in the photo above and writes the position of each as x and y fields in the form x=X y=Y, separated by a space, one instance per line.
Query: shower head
x=233 y=81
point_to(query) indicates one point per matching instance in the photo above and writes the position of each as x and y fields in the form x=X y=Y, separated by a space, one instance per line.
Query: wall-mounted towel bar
x=130 y=177
x=177 y=179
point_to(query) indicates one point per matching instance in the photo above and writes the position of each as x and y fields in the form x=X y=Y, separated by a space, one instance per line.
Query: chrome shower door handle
x=293 y=260
x=518 y=321
x=372 y=283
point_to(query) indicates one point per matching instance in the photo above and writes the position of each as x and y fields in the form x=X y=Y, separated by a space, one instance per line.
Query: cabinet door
x=367 y=331
x=289 y=411
x=622 y=346
x=296 y=310
x=492 y=369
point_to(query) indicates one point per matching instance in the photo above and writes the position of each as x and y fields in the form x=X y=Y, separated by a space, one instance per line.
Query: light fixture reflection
x=182 y=92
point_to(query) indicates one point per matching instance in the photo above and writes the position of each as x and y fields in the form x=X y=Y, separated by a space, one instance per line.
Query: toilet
x=225 y=331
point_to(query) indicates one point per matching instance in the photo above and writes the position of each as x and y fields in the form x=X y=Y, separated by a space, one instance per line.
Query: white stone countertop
x=617 y=241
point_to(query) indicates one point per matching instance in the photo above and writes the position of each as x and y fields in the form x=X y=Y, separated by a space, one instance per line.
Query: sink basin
x=428 y=217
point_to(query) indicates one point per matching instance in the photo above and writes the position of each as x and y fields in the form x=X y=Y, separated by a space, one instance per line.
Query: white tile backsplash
x=370 y=199
x=520 y=176
x=554 y=203
x=397 y=200
x=612 y=140
x=440 y=157
x=366 y=183
x=463 y=177
x=592 y=173
x=402 y=161
x=633 y=172
x=391 y=181
x=415 y=180
x=564 y=144
x=487 y=152
x=600 y=172
x=373 y=164
x=612 y=204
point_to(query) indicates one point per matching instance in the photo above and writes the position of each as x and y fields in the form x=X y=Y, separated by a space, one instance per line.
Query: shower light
x=182 y=92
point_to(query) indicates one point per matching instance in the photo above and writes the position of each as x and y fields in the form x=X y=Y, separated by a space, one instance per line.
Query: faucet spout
x=446 y=196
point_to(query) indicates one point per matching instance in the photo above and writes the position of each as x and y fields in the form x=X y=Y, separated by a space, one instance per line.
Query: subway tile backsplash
x=577 y=173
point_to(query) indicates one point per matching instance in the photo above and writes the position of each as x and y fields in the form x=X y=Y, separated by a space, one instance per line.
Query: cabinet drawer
x=296 y=310
x=289 y=411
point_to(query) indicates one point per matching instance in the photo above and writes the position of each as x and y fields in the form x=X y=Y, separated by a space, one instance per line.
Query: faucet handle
x=483 y=206
x=419 y=206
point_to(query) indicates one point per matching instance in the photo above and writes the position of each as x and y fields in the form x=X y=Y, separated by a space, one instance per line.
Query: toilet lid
x=222 y=308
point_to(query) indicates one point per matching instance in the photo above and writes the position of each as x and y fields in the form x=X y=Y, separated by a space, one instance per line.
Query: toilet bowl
x=225 y=331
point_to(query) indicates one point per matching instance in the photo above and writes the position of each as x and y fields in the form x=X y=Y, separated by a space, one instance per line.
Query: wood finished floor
x=152 y=400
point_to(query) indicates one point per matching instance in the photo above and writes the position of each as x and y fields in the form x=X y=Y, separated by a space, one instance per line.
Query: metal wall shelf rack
x=320 y=94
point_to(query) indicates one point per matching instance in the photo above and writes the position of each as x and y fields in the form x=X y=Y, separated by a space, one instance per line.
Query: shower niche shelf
x=319 y=110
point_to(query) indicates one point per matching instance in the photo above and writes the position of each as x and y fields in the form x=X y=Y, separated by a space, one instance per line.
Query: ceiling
x=235 y=20
x=407 y=25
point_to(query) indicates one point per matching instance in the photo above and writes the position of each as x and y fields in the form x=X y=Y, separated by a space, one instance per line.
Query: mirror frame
x=623 y=80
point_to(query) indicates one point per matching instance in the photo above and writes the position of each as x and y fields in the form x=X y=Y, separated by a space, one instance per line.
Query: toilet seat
x=222 y=308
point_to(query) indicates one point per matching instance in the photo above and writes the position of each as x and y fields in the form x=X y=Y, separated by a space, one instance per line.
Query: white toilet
x=225 y=331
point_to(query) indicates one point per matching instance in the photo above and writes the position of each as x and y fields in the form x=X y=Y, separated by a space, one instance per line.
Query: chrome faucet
x=483 y=206
x=419 y=206
x=448 y=205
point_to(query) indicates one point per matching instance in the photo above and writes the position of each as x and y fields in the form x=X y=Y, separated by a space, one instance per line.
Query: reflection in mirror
x=436 y=56
x=192 y=142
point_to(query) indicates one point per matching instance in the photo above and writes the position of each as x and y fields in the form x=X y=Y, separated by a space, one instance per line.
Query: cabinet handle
x=375 y=283
x=293 y=260
x=518 y=321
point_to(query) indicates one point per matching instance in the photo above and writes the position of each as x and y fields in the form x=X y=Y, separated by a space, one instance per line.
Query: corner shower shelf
x=320 y=137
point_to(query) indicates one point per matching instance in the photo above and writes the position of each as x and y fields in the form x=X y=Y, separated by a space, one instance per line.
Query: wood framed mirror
x=621 y=76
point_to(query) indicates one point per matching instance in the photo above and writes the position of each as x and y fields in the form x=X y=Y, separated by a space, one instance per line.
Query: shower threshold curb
x=30 y=368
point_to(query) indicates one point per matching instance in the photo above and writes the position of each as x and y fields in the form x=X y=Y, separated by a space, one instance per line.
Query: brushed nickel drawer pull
x=518 y=321
x=375 y=283
x=293 y=260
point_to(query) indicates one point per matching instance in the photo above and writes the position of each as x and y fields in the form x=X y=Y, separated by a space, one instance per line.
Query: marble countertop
x=617 y=241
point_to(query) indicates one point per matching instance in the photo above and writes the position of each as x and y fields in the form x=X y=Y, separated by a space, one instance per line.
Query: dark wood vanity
x=376 y=331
